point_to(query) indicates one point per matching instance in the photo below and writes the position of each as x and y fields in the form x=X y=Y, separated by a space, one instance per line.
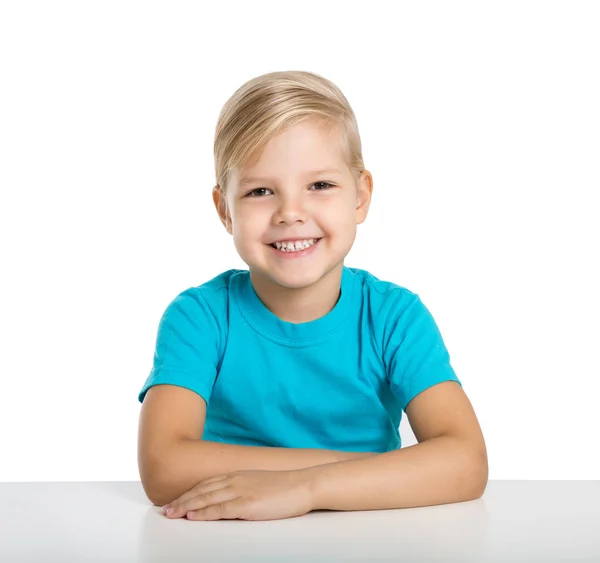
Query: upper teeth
x=296 y=245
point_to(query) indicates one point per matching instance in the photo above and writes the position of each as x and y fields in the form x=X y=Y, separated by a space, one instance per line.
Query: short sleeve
x=414 y=351
x=187 y=346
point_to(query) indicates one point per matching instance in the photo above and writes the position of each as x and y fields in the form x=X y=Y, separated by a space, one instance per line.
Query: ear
x=364 y=191
x=220 y=202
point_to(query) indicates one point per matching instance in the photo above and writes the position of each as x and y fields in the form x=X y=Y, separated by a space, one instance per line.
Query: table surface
x=114 y=521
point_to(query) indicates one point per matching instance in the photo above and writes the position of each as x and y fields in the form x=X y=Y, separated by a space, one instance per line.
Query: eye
x=327 y=186
x=323 y=184
x=249 y=194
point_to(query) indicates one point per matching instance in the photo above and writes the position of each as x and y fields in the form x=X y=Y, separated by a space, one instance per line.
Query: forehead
x=305 y=149
x=245 y=180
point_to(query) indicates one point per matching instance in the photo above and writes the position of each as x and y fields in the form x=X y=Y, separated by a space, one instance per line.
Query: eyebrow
x=250 y=180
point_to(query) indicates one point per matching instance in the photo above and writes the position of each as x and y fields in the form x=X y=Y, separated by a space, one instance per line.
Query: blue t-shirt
x=339 y=382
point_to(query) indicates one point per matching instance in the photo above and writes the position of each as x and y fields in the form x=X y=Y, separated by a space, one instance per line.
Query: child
x=301 y=361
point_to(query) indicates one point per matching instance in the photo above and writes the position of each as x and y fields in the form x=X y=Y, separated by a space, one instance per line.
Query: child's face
x=288 y=201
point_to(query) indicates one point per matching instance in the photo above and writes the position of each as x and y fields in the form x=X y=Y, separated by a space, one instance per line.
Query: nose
x=290 y=210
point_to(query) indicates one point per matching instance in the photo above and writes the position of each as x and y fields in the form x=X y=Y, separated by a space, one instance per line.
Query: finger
x=230 y=510
x=203 y=496
x=213 y=479
x=199 y=488
x=208 y=497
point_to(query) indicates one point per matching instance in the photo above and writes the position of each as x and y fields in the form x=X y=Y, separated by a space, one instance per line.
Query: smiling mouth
x=273 y=245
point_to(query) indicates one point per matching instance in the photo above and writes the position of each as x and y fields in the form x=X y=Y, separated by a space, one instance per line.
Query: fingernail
x=164 y=508
x=170 y=511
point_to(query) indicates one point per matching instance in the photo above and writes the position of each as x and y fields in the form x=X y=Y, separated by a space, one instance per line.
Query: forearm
x=437 y=471
x=188 y=462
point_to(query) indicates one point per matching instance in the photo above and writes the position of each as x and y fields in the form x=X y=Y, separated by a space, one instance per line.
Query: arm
x=449 y=464
x=190 y=461
x=172 y=456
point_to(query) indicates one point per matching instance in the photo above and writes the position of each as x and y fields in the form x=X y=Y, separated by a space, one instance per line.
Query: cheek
x=247 y=233
x=338 y=219
x=246 y=224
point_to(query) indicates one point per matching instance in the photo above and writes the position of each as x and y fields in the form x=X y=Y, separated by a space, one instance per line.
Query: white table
x=114 y=521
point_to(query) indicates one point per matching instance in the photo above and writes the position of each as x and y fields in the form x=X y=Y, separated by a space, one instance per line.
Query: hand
x=246 y=495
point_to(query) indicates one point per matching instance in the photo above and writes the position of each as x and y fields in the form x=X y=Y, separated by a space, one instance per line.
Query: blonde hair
x=266 y=105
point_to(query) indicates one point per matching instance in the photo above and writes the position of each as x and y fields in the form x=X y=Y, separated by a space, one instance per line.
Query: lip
x=293 y=239
x=298 y=254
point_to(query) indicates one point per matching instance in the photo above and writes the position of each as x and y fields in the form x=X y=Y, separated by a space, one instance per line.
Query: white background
x=480 y=123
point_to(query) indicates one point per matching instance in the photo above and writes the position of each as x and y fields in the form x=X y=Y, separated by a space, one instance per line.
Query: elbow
x=477 y=475
x=161 y=489
x=157 y=492
x=471 y=471
x=159 y=500
x=168 y=473
x=478 y=486
x=155 y=482
x=151 y=494
x=151 y=489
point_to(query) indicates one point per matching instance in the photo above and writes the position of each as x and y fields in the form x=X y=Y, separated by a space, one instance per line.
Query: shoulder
x=211 y=295
x=385 y=298
x=222 y=282
x=204 y=306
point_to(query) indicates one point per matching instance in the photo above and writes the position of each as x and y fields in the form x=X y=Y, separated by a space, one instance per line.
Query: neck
x=302 y=304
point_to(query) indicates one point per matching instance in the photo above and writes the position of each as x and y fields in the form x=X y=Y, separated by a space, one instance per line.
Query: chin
x=299 y=278
x=290 y=279
x=294 y=279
